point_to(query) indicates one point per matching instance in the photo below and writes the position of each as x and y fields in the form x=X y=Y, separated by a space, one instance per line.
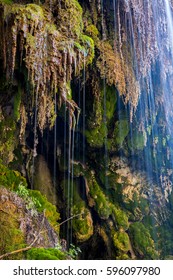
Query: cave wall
x=70 y=97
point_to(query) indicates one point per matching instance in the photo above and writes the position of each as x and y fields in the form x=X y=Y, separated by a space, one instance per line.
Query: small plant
x=73 y=251
x=56 y=253
x=22 y=191
x=32 y=202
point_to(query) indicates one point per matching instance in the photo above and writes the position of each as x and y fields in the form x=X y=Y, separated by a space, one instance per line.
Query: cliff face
x=83 y=118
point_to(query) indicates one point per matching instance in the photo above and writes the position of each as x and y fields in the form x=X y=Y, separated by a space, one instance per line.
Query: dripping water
x=104 y=106
x=64 y=166
x=84 y=112
x=72 y=184
x=69 y=181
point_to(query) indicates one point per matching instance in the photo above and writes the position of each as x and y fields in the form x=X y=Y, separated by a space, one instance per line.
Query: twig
x=70 y=219
x=30 y=246
x=26 y=248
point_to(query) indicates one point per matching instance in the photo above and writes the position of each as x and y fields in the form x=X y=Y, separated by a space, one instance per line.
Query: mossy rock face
x=82 y=225
x=8 y=139
x=121 y=241
x=10 y=178
x=120 y=217
x=104 y=105
x=64 y=46
x=93 y=32
x=82 y=222
x=97 y=198
x=69 y=17
x=142 y=242
x=20 y=225
x=34 y=200
x=43 y=205
x=11 y=237
x=121 y=131
x=96 y=136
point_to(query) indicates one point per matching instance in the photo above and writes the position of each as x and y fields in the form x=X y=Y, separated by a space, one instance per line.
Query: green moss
x=121 y=131
x=78 y=169
x=33 y=11
x=17 y=102
x=120 y=218
x=111 y=100
x=10 y=179
x=121 y=241
x=143 y=244
x=46 y=254
x=82 y=225
x=30 y=40
x=13 y=180
x=82 y=222
x=88 y=44
x=93 y=32
x=95 y=137
x=11 y=237
x=69 y=91
x=45 y=206
x=69 y=19
x=79 y=47
x=97 y=128
x=101 y=202
x=6 y=1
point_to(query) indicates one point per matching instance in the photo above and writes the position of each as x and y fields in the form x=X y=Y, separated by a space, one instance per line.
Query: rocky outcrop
x=21 y=227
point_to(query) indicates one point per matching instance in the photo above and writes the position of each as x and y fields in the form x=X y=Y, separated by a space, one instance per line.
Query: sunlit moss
x=45 y=254
x=121 y=241
x=69 y=18
x=10 y=178
x=120 y=217
x=88 y=44
x=93 y=32
x=143 y=244
x=45 y=206
x=100 y=201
